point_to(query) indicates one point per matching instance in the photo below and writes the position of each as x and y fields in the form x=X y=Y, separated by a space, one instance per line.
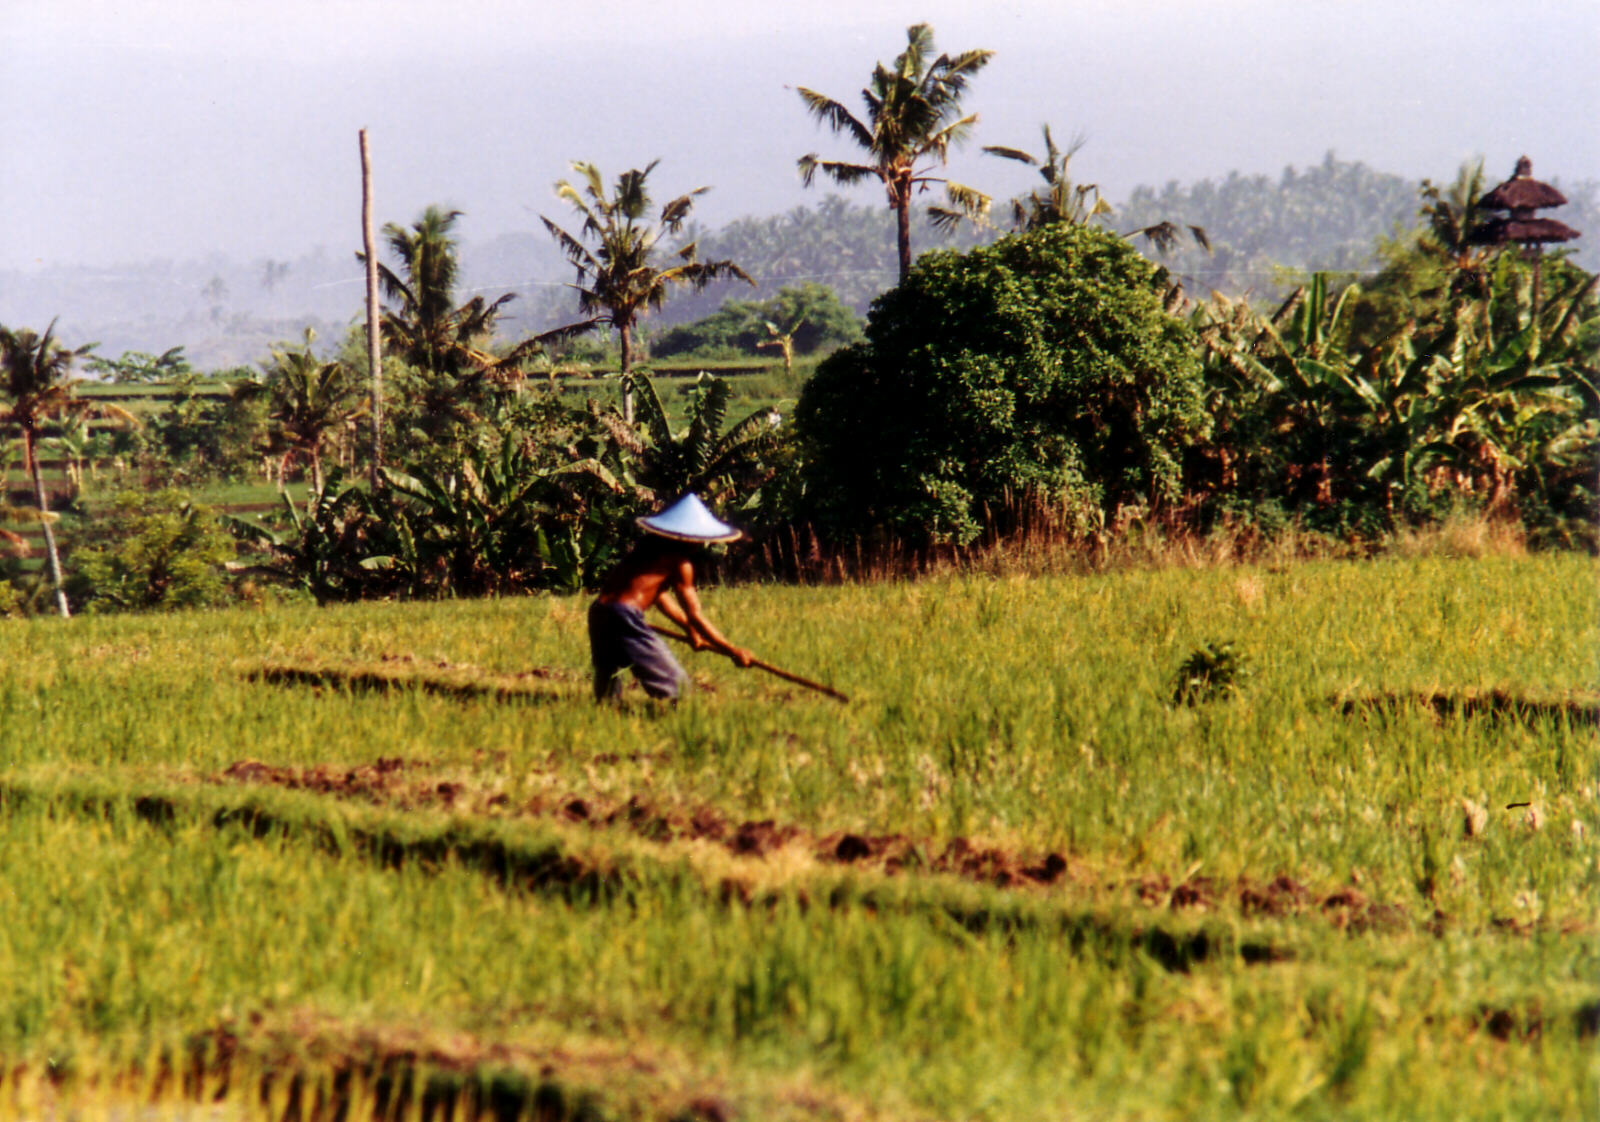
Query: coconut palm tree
x=913 y=116
x=424 y=326
x=782 y=340
x=1059 y=200
x=310 y=403
x=36 y=384
x=1452 y=215
x=619 y=281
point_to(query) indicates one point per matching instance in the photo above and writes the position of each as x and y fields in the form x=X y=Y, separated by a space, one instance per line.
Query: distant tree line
x=1063 y=366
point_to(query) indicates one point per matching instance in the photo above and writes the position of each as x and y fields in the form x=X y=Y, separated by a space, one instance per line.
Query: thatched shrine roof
x=1522 y=192
x=1526 y=231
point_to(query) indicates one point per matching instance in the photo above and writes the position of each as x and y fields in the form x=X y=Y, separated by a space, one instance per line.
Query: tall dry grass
x=1033 y=536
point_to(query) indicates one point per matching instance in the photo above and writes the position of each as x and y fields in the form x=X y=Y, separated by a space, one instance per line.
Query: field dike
x=407 y=672
x=545 y=684
x=399 y=783
x=302 y=1065
x=572 y=862
x=1578 y=710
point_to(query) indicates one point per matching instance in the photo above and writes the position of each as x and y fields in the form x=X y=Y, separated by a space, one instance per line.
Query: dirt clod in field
x=1048 y=871
x=851 y=847
x=707 y=1110
x=1197 y=893
x=760 y=838
x=1280 y=895
x=1507 y=1024
x=577 y=810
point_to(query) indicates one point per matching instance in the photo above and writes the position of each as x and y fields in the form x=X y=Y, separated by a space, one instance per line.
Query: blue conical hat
x=688 y=520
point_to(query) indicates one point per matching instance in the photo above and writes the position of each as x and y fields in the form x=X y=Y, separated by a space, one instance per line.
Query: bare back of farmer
x=659 y=572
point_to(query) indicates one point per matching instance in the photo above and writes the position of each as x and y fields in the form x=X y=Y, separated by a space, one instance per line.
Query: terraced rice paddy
x=390 y=859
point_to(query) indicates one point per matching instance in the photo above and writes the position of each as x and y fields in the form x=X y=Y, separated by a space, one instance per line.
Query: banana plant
x=726 y=468
x=340 y=545
x=1441 y=404
x=498 y=518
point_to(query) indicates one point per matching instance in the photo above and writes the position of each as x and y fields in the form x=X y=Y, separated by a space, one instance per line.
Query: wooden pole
x=767 y=666
x=369 y=241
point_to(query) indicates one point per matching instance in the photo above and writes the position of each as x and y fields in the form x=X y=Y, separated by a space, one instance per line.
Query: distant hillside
x=1327 y=217
x=225 y=312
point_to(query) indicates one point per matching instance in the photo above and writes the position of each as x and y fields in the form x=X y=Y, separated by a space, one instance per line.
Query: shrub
x=1043 y=363
x=158 y=551
x=1212 y=671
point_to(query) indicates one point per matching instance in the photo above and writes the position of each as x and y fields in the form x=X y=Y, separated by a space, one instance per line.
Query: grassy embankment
x=1323 y=896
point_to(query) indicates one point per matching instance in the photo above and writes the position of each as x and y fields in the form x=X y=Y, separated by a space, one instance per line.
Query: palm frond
x=836 y=116
x=1016 y=154
x=840 y=172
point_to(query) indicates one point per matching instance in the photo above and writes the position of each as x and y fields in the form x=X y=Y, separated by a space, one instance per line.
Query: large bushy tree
x=1045 y=363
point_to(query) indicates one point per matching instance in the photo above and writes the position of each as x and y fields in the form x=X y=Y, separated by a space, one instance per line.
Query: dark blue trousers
x=620 y=639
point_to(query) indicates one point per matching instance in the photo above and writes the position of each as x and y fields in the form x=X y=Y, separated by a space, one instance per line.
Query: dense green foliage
x=1043 y=363
x=136 y=367
x=543 y=498
x=1437 y=959
x=811 y=316
x=153 y=551
x=1480 y=401
x=1053 y=386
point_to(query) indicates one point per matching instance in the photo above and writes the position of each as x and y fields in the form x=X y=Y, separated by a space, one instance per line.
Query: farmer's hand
x=743 y=657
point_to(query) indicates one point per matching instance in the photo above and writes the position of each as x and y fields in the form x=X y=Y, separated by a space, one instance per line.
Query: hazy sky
x=172 y=128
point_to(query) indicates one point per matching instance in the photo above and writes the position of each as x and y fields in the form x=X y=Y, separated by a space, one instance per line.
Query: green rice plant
x=1211 y=671
x=1264 y=908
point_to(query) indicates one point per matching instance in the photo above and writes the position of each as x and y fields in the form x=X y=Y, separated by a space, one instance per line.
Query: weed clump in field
x=1212 y=671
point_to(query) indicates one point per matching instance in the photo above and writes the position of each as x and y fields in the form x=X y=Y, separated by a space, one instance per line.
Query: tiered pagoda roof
x=1521 y=195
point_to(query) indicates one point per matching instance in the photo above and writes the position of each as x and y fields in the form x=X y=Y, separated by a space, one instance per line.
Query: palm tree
x=37 y=384
x=309 y=403
x=1453 y=217
x=913 y=116
x=425 y=327
x=618 y=282
x=1059 y=200
x=724 y=467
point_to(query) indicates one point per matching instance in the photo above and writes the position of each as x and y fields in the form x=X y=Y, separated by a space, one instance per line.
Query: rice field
x=390 y=860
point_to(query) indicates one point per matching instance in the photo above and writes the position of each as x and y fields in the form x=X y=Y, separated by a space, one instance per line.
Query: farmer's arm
x=693 y=620
x=669 y=608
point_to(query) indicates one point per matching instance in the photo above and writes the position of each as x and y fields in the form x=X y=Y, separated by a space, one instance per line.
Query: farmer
x=619 y=637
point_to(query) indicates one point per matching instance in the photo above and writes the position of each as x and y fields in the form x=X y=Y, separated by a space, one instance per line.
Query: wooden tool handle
x=767 y=666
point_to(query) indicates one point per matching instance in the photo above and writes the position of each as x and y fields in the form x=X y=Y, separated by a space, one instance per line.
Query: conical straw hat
x=688 y=520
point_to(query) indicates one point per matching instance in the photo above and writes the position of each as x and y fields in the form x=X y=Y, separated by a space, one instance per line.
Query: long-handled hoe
x=767 y=666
